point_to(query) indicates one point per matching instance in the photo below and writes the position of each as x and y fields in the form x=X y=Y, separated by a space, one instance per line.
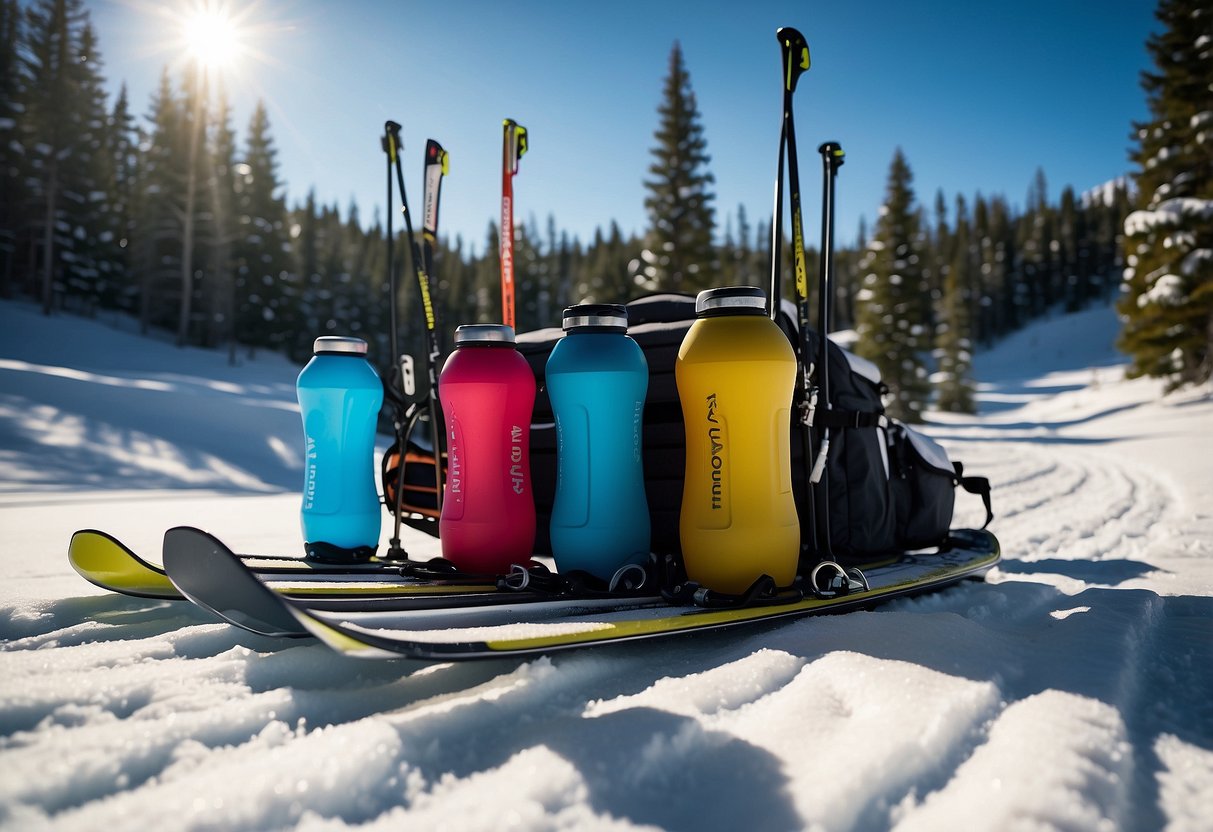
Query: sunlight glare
x=212 y=37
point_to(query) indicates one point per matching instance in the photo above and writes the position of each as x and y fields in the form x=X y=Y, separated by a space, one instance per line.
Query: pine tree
x=890 y=297
x=1167 y=306
x=954 y=342
x=1034 y=291
x=679 y=254
x=485 y=300
x=94 y=261
x=1070 y=228
x=157 y=246
x=53 y=127
x=847 y=278
x=220 y=196
x=12 y=149
x=266 y=289
x=193 y=113
x=122 y=152
x=603 y=277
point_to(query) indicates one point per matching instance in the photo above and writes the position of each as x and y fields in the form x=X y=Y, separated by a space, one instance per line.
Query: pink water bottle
x=487 y=392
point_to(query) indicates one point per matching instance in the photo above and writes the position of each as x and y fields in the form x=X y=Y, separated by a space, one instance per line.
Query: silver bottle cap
x=330 y=344
x=596 y=315
x=730 y=299
x=484 y=334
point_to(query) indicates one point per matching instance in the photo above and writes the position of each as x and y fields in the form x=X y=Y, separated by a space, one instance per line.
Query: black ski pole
x=437 y=165
x=795 y=60
x=832 y=158
x=794 y=51
x=389 y=144
x=403 y=384
x=393 y=145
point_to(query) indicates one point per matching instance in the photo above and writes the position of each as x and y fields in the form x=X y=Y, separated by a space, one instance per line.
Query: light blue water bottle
x=339 y=397
x=597 y=378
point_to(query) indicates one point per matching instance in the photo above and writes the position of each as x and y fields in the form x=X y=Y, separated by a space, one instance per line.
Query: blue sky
x=977 y=95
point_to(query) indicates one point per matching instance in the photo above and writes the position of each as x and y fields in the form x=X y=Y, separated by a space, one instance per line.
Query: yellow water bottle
x=736 y=373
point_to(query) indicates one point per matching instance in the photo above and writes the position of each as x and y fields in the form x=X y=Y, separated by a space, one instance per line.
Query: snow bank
x=1070 y=691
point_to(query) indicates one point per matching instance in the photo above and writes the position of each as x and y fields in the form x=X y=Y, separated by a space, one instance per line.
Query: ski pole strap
x=835 y=418
x=975 y=485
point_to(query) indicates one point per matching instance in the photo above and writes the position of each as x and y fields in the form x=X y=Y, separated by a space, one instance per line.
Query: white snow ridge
x=1072 y=690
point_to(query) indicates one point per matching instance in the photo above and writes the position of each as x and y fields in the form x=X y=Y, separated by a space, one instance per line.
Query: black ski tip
x=208 y=573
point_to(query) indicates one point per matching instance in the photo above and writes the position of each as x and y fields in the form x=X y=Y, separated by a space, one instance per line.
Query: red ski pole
x=514 y=145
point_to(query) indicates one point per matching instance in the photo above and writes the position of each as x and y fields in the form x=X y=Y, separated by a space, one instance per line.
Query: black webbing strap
x=763 y=592
x=975 y=485
x=835 y=418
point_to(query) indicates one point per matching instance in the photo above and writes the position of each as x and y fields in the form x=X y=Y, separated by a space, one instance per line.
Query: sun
x=212 y=37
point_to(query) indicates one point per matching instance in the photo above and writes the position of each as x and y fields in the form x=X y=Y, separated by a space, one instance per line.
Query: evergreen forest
x=166 y=210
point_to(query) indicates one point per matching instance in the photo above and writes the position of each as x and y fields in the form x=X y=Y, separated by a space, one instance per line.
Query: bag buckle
x=808 y=408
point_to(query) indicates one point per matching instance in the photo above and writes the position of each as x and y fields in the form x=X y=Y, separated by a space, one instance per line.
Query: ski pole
x=795 y=60
x=393 y=145
x=437 y=165
x=794 y=53
x=389 y=143
x=832 y=158
x=514 y=145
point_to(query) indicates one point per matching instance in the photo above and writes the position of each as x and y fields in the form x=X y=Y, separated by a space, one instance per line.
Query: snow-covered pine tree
x=1034 y=290
x=1167 y=307
x=953 y=339
x=937 y=251
x=679 y=253
x=890 y=332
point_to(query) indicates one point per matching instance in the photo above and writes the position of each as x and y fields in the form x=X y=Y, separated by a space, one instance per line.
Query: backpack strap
x=975 y=485
x=836 y=418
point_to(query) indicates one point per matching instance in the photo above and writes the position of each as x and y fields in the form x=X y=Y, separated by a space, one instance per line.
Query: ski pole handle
x=391 y=142
x=795 y=55
x=832 y=156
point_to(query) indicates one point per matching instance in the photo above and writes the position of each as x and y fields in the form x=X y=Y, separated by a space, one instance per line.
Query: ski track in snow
x=1069 y=691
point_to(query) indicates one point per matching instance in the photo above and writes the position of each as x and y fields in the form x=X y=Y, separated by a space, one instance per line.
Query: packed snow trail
x=1070 y=691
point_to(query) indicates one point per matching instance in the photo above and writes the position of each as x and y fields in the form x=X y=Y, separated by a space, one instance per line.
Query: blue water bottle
x=597 y=378
x=339 y=397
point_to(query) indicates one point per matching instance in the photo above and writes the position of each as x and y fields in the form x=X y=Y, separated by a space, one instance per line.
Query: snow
x=1168 y=214
x=1168 y=290
x=1069 y=691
